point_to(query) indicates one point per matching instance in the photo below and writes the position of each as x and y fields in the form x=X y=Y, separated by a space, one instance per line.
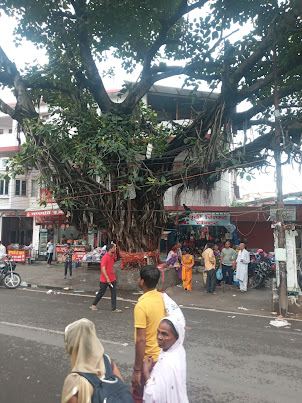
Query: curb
x=55 y=288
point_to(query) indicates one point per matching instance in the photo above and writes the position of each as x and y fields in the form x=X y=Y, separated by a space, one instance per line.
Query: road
x=230 y=357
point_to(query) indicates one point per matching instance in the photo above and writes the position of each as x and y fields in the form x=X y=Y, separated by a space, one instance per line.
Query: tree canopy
x=92 y=152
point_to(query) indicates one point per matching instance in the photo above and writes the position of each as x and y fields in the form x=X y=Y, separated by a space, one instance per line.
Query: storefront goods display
x=79 y=252
x=94 y=256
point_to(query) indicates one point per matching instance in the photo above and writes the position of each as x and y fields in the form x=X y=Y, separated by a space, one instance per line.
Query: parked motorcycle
x=7 y=275
x=261 y=274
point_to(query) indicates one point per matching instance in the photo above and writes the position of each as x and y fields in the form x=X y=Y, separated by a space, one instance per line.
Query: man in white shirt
x=243 y=260
x=2 y=250
x=49 y=252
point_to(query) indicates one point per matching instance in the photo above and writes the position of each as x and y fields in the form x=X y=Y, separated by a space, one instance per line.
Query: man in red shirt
x=107 y=278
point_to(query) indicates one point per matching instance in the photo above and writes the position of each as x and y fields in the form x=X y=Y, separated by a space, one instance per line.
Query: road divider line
x=193 y=308
x=42 y=329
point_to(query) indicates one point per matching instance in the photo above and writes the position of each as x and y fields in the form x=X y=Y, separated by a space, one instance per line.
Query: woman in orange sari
x=187 y=262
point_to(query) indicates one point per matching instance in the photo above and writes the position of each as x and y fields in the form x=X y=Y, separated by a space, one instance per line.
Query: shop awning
x=51 y=209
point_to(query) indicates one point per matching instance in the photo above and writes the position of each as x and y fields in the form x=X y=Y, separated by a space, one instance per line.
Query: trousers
x=103 y=288
x=211 y=281
x=49 y=258
x=230 y=271
x=68 y=264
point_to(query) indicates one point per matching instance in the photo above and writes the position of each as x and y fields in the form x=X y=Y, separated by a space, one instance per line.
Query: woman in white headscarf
x=86 y=353
x=167 y=381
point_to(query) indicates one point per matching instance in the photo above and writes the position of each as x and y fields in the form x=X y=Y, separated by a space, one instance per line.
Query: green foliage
x=236 y=203
x=93 y=144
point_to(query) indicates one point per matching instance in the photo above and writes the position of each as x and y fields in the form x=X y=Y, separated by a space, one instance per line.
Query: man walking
x=243 y=260
x=49 y=248
x=107 y=278
x=209 y=261
x=68 y=260
x=148 y=313
x=228 y=255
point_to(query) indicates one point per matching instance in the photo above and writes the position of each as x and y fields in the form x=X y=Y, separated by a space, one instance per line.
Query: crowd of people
x=220 y=262
x=159 y=369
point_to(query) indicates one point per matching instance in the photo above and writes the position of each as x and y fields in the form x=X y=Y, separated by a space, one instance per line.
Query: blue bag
x=219 y=274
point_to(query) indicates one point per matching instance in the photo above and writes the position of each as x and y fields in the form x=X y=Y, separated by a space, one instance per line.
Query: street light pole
x=280 y=231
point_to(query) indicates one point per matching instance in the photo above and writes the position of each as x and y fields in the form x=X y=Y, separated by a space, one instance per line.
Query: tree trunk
x=136 y=225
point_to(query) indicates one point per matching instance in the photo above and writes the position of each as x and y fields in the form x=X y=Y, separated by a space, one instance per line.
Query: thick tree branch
x=248 y=153
x=24 y=107
x=164 y=71
x=252 y=89
x=166 y=25
x=258 y=53
x=7 y=109
x=147 y=80
x=6 y=79
x=262 y=105
x=94 y=81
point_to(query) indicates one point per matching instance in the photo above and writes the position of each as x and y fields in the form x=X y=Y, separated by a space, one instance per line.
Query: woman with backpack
x=88 y=361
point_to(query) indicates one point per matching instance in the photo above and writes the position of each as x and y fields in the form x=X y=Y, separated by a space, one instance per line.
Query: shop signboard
x=79 y=255
x=209 y=219
x=44 y=213
x=17 y=255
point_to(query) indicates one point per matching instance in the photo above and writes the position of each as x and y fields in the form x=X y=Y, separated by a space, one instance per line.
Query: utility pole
x=280 y=231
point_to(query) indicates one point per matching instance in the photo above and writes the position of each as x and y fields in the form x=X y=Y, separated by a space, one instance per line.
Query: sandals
x=93 y=308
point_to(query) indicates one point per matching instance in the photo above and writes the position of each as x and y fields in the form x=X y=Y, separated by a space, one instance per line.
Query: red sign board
x=79 y=255
x=17 y=255
x=44 y=213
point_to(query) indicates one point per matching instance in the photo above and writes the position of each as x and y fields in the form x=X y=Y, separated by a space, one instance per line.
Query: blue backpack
x=110 y=389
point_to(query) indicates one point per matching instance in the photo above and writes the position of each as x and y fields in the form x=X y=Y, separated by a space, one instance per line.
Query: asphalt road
x=230 y=357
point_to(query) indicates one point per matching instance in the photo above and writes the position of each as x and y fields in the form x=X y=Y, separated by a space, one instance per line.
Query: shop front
x=51 y=223
x=198 y=228
x=16 y=229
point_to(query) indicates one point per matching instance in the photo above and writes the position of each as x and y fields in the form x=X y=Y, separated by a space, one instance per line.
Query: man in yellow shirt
x=209 y=261
x=148 y=313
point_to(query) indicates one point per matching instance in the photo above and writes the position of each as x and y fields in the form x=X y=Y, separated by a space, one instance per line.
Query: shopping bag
x=219 y=274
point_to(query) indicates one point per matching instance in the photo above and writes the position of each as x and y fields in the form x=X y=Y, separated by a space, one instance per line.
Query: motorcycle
x=7 y=275
x=261 y=274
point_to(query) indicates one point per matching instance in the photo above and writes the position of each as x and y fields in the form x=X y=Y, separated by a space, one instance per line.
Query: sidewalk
x=256 y=302
x=41 y=276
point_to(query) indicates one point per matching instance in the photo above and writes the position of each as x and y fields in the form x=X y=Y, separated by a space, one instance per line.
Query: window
x=34 y=188
x=1 y=131
x=3 y=187
x=10 y=130
x=20 y=188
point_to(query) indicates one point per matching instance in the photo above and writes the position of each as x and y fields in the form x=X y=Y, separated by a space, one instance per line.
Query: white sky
x=27 y=53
